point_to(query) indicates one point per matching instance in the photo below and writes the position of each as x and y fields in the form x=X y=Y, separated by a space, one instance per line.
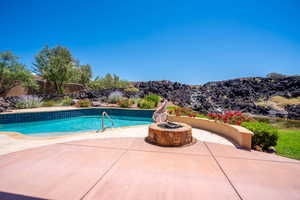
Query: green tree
x=108 y=82
x=86 y=74
x=55 y=65
x=11 y=71
x=82 y=74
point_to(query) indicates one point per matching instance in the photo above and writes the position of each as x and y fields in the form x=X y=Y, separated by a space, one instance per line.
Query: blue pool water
x=70 y=125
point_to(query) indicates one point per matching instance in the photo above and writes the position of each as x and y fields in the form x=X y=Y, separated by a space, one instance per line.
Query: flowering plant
x=231 y=117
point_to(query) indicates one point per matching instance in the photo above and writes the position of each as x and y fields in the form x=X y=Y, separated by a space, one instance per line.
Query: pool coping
x=21 y=136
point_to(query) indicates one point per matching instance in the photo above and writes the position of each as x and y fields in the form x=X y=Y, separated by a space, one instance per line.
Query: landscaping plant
x=28 y=102
x=55 y=65
x=154 y=98
x=50 y=103
x=125 y=103
x=12 y=70
x=132 y=90
x=115 y=97
x=146 y=104
x=264 y=136
x=84 y=103
x=235 y=118
x=67 y=101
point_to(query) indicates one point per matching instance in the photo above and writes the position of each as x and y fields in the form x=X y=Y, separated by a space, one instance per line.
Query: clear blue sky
x=187 y=41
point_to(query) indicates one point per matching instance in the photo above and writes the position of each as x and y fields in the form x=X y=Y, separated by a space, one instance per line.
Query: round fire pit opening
x=161 y=135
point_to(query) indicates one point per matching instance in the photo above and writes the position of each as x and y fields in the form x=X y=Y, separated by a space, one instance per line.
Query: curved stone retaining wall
x=238 y=134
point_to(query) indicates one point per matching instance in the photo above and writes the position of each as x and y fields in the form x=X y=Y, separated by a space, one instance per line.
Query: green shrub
x=136 y=100
x=146 y=104
x=20 y=105
x=202 y=116
x=49 y=103
x=84 y=103
x=28 y=102
x=264 y=134
x=125 y=103
x=154 y=98
x=171 y=108
x=132 y=90
x=67 y=101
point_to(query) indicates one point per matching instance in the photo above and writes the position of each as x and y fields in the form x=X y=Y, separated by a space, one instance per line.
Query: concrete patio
x=130 y=168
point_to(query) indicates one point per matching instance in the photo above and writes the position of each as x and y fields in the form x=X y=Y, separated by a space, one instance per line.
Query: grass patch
x=288 y=144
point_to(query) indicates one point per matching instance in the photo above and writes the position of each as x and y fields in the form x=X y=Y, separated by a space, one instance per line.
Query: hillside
x=251 y=95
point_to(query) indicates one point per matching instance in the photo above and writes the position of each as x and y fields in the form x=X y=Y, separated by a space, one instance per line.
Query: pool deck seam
x=137 y=150
x=223 y=171
x=190 y=154
x=103 y=175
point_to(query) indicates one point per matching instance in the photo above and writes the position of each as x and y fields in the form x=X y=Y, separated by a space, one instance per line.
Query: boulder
x=96 y=104
x=74 y=101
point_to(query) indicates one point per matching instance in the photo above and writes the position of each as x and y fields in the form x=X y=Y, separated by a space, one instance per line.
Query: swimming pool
x=47 y=124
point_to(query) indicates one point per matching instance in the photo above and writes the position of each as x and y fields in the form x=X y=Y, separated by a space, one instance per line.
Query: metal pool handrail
x=108 y=117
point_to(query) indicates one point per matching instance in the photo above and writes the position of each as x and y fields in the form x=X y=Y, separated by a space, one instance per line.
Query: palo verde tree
x=81 y=74
x=108 y=82
x=85 y=74
x=55 y=65
x=11 y=71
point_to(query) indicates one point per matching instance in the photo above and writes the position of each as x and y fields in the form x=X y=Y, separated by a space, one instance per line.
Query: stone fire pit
x=162 y=135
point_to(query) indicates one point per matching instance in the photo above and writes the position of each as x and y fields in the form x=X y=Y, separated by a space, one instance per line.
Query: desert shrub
x=132 y=90
x=84 y=103
x=136 y=100
x=146 y=104
x=50 y=103
x=125 y=103
x=171 y=108
x=67 y=101
x=28 y=102
x=264 y=134
x=202 y=116
x=154 y=98
x=115 y=97
x=231 y=117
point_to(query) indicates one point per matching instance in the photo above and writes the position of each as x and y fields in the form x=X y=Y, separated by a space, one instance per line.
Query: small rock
x=271 y=150
x=258 y=148
x=96 y=104
x=74 y=101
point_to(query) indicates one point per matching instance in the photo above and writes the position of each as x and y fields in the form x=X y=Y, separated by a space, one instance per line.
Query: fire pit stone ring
x=169 y=137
